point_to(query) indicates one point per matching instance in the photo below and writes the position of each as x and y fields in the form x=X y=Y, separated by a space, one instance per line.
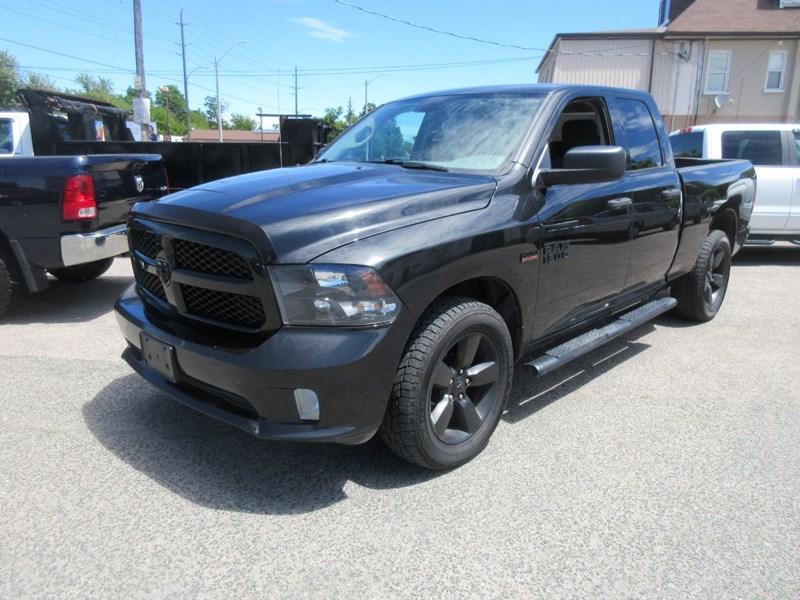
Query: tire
x=701 y=294
x=451 y=386
x=84 y=272
x=10 y=285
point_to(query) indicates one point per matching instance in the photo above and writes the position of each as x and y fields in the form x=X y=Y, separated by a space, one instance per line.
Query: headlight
x=333 y=295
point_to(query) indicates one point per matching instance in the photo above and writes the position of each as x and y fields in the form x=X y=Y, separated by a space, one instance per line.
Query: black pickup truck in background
x=391 y=285
x=65 y=215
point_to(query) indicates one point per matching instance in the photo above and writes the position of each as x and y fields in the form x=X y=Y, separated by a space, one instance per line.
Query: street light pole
x=366 y=85
x=216 y=76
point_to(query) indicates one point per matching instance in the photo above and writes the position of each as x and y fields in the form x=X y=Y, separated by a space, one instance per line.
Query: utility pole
x=295 y=91
x=137 y=32
x=185 y=84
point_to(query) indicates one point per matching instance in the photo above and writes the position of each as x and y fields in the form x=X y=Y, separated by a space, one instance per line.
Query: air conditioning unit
x=790 y=4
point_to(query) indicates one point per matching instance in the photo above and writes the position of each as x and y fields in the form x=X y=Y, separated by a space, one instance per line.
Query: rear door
x=656 y=192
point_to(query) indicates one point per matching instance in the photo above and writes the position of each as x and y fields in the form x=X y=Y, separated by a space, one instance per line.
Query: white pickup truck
x=15 y=135
x=774 y=149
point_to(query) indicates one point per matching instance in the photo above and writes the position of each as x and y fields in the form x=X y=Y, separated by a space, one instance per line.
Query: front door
x=585 y=243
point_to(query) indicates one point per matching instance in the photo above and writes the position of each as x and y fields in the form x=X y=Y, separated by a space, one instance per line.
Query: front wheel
x=451 y=386
x=84 y=272
x=701 y=294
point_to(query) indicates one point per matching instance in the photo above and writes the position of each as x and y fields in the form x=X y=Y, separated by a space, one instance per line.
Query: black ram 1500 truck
x=390 y=285
x=65 y=215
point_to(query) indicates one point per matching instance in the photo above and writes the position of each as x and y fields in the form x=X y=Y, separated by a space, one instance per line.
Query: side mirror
x=587 y=164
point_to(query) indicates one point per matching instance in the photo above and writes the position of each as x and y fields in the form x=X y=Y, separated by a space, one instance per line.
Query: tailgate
x=122 y=180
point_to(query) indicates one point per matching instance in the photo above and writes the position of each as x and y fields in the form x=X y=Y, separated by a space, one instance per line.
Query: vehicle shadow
x=215 y=465
x=530 y=393
x=65 y=302
x=777 y=255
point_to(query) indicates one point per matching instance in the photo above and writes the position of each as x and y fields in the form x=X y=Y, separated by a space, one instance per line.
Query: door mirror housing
x=587 y=164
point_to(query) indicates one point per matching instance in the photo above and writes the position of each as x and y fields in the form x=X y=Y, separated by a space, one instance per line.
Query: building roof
x=233 y=135
x=736 y=17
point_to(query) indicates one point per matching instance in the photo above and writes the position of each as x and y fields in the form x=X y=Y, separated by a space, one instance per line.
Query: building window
x=776 y=71
x=719 y=72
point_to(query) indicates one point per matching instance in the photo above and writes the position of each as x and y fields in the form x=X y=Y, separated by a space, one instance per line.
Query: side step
x=591 y=340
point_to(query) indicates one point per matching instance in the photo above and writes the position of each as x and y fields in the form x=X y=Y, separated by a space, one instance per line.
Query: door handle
x=619 y=205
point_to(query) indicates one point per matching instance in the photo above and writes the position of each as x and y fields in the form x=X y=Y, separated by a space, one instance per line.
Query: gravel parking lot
x=666 y=464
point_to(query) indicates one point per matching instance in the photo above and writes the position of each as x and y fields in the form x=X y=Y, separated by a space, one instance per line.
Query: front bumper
x=80 y=248
x=258 y=388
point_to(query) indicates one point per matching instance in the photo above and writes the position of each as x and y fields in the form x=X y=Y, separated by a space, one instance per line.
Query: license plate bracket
x=160 y=357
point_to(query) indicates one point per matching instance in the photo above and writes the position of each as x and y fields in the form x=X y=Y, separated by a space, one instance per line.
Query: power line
x=439 y=31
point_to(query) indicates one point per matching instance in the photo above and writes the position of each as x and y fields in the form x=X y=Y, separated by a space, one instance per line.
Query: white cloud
x=322 y=30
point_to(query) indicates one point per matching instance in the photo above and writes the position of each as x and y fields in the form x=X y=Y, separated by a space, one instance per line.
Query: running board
x=591 y=340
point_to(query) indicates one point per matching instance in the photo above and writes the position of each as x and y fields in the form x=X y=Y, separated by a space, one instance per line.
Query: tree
x=99 y=88
x=39 y=82
x=211 y=111
x=242 y=122
x=9 y=80
x=173 y=110
x=334 y=122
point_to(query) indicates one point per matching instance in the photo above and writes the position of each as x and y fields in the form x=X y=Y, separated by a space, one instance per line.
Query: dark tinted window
x=644 y=151
x=759 y=147
x=687 y=145
x=6 y=137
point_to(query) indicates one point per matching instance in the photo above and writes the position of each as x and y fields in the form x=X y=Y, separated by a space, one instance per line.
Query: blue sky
x=336 y=45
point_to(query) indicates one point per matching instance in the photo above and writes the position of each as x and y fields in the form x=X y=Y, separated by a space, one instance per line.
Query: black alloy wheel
x=451 y=386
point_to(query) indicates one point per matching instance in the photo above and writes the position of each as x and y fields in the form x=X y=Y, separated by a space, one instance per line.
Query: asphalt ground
x=664 y=465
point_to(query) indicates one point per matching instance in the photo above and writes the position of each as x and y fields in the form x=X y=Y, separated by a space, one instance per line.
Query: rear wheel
x=701 y=294
x=10 y=286
x=451 y=386
x=84 y=272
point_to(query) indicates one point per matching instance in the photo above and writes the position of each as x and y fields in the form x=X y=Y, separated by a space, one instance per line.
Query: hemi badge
x=527 y=257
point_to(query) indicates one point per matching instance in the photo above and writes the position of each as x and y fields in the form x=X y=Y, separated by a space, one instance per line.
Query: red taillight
x=79 y=203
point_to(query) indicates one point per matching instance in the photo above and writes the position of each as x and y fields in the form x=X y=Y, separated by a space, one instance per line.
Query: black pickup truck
x=391 y=285
x=66 y=215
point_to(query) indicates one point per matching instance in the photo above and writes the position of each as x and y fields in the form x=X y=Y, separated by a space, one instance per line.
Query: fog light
x=307 y=404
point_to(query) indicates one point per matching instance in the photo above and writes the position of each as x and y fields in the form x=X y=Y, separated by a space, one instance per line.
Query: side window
x=759 y=147
x=687 y=145
x=776 y=71
x=644 y=149
x=6 y=137
x=582 y=123
x=797 y=144
x=718 y=72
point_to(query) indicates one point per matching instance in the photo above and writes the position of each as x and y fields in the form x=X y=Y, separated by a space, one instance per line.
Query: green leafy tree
x=242 y=122
x=172 y=105
x=99 y=88
x=9 y=80
x=334 y=122
x=39 y=82
x=211 y=111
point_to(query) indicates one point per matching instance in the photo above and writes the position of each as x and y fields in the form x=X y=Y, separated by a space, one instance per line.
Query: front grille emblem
x=164 y=271
x=139 y=183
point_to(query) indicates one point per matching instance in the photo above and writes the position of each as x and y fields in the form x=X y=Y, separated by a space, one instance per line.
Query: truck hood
x=309 y=210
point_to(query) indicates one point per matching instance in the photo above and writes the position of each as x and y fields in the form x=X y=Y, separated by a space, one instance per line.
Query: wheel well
x=727 y=220
x=499 y=296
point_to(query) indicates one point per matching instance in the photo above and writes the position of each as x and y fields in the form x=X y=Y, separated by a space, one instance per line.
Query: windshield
x=476 y=132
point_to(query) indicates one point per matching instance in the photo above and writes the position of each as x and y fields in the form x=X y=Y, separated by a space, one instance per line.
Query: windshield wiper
x=409 y=164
